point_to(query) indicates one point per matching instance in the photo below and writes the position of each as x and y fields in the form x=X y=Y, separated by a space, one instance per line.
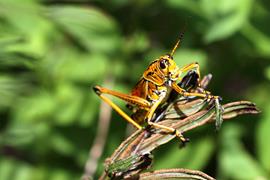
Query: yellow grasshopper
x=152 y=90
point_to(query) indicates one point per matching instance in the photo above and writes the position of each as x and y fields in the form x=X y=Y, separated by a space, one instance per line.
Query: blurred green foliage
x=53 y=51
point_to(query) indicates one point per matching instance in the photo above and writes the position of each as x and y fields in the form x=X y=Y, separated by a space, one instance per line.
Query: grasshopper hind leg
x=100 y=91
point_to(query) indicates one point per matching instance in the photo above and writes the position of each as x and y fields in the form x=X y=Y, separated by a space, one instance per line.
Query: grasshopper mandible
x=152 y=90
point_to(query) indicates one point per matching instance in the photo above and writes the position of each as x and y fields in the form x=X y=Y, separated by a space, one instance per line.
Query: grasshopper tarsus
x=97 y=90
x=184 y=143
x=219 y=98
x=180 y=136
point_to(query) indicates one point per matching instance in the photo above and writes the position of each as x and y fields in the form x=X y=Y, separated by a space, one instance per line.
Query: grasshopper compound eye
x=163 y=64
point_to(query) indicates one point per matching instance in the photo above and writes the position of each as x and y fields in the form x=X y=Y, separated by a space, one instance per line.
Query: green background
x=52 y=52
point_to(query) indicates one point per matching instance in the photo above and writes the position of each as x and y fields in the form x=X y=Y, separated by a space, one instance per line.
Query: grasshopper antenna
x=179 y=39
x=177 y=44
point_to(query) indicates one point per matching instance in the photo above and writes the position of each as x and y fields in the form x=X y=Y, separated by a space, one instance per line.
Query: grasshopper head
x=168 y=67
x=164 y=69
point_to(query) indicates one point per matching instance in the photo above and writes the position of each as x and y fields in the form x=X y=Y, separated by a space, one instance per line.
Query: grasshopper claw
x=181 y=137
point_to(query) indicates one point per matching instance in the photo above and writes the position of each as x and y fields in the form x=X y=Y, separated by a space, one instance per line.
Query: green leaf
x=59 y=174
x=90 y=27
x=17 y=135
x=9 y=59
x=191 y=5
x=85 y=68
x=234 y=161
x=7 y=168
x=186 y=56
x=27 y=24
x=138 y=42
x=267 y=72
x=23 y=172
x=260 y=40
x=62 y=145
x=200 y=151
x=232 y=19
x=10 y=88
x=262 y=136
x=37 y=107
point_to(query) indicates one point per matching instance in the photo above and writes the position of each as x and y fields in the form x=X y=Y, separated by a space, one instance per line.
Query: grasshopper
x=153 y=90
